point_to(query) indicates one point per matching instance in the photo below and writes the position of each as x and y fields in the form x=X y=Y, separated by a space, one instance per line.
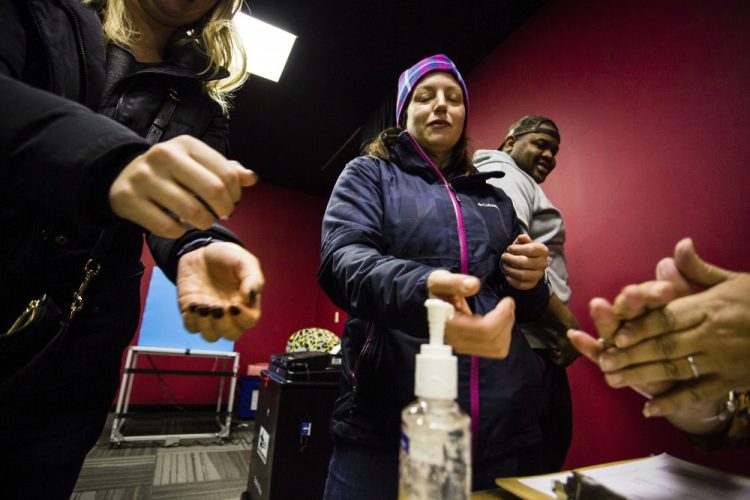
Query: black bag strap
x=163 y=116
x=102 y=245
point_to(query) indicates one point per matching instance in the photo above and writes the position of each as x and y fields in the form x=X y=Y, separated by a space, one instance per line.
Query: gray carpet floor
x=189 y=469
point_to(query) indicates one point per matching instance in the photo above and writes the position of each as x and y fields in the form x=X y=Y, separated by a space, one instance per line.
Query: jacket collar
x=410 y=159
x=188 y=58
x=185 y=61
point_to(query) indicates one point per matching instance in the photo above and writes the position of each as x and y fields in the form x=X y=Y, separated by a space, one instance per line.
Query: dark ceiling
x=338 y=87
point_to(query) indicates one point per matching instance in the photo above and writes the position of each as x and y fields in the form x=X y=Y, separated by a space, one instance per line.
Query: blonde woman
x=198 y=37
x=88 y=88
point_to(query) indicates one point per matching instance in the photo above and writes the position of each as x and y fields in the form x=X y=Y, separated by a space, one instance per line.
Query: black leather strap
x=163 y=117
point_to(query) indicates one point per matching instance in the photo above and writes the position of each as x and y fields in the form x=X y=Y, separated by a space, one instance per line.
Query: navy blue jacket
x=387 y=226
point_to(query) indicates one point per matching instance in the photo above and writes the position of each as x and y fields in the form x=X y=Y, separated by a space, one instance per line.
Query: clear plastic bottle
x=435 y=457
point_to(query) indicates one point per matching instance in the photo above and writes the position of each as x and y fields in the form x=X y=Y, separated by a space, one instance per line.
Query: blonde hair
x=214 y=35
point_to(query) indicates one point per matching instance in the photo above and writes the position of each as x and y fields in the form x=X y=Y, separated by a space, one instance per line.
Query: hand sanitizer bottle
x=435 y=457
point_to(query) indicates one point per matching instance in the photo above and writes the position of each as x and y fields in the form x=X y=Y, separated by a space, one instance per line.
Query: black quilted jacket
x=59 y=153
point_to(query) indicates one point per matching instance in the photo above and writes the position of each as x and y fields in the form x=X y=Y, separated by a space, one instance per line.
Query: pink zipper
x=474 y=374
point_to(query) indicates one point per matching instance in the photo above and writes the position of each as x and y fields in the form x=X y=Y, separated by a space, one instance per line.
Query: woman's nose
x=440 y=102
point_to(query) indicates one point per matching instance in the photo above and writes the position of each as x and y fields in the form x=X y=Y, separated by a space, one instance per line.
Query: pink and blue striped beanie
x=409 y=79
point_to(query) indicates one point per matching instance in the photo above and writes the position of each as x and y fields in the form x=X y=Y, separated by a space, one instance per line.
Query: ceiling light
x=267 y=47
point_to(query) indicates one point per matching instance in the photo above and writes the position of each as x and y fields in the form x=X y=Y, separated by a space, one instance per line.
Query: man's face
x=534 y=153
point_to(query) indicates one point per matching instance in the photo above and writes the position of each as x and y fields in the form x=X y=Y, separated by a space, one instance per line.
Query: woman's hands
x=218 y=290
x=183 y=182
x=686 y=349
x=487 y=336
x=182 y=176
x=524 y=262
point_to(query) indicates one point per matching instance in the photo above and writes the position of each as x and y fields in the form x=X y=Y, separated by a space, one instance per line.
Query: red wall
x=282 y=228
x=652 y=102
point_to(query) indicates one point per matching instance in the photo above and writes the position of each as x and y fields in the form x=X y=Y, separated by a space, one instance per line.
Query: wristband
x=195 y=245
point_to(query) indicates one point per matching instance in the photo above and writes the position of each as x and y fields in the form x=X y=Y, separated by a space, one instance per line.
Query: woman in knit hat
x=409 y=220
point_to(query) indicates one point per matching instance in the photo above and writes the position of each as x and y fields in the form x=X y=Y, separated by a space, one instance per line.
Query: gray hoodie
x=538 y=216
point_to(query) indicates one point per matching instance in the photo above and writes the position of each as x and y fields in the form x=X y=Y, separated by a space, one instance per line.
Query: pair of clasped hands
x=179 y=183
x=524 y=263
x=681 y=340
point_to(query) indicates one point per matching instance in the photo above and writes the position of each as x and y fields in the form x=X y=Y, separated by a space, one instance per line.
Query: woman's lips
x=438 y=123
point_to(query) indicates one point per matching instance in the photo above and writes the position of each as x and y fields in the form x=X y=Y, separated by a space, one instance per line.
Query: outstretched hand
x=468 y=333
x=178 y=182
x=524 y=262
x=218 y=290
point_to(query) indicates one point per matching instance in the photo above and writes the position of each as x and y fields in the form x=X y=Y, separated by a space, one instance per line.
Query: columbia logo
x=488 y=205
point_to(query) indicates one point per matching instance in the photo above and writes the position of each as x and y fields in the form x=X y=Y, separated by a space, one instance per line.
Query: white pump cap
x=436 y=372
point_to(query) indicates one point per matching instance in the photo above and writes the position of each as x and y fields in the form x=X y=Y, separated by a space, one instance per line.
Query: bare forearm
x=558 y=317
x=556 y=321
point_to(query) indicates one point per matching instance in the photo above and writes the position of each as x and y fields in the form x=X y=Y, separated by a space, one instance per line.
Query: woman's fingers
x=228 y=173
x=666 y=270
x=218 y=289
x=695 y=269
x=183 y=176
x=486 y=336
x=605 y=320
x=444 y=283
x=664 y=347
x=586 y=344
x=673 y=370
x=635 y=300
x=680 y=314
x=685 y=396
x=214 y=322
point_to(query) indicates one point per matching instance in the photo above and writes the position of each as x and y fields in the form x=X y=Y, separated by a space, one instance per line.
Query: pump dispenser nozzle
x=436 y=371
x=438 y=312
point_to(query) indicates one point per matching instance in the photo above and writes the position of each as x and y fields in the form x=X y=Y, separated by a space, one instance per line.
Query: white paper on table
x=655 y=478
x=546 y=483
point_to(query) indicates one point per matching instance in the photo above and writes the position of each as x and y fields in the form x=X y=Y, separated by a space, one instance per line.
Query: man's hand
x=218 y=290
x=182 y=176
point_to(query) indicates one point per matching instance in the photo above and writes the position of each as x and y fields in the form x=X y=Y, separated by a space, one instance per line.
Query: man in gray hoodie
x=527 y=156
